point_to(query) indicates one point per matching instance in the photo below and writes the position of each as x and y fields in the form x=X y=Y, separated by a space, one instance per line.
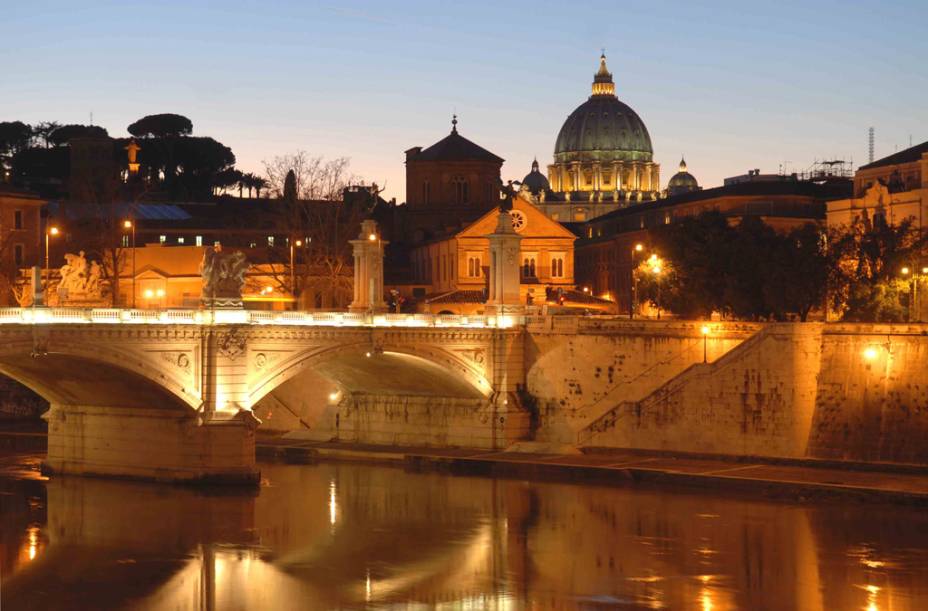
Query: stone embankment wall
x=578 y=369
x=796 y=390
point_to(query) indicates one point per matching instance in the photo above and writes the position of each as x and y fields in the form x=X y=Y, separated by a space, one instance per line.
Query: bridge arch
x=389 y=368
x=75 y=372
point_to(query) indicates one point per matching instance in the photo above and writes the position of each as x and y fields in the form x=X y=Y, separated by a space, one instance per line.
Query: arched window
x=459 y=188
x=557 y=266
x=528 y=266
x=474 y=269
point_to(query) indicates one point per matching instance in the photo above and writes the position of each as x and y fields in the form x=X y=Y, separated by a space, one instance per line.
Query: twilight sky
x=732 y=85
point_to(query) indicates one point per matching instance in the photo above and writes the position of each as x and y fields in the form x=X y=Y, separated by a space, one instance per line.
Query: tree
x=44 y=131
x=866 y=260
x=65 y=133
x=15 y=136
x=161 y=126
x=227 y=179
x=799 y=272
x=316 y=177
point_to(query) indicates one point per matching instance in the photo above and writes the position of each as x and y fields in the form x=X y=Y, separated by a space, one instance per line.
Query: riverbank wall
x=852 y=392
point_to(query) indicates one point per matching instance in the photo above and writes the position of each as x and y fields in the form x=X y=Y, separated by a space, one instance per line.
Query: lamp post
x=292 y=274
x=705 y=343
x=655 y=262
x=632 y=294
x=52 y=231
x=128 y=224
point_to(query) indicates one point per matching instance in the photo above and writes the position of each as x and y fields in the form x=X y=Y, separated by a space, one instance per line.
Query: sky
x=730 y=85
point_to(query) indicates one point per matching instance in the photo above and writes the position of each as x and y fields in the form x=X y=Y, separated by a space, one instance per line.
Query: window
x=162 y=239
x=270 y=240
x=18 y=219
x=180 y=240
x=459 y=188
x=199 y=240
x=557 y=265
x=18 y=255
x=474 y=267
x=528 y=266
x=125 y=241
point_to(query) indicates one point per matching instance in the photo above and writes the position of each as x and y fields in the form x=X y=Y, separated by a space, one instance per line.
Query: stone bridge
x=172 y=395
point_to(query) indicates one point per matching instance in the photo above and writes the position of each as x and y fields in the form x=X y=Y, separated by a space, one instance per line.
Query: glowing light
x=367 y=354
x=299 y=242
x=925 y=270
x=333 y=396
x=372 y=237
x=33 y=542
x=905 y=271
x=870 y=353
x=705 y=330
x=127 y=224
x=52 y=231
x=586 y=289
x=148 y=293
x=656 y=269
x=160 y=292
x=333 y=503
x=639 y=247
x=367 y=586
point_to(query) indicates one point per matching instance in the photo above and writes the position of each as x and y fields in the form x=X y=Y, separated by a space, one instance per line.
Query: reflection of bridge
x=170 y=394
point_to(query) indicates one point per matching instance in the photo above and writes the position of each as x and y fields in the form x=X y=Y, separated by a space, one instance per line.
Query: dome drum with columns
x=603 y=158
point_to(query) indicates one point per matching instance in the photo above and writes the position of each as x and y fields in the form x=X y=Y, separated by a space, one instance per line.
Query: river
x=354 y=536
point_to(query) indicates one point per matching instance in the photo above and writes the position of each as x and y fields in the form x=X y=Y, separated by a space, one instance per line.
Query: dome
x=535 y=180
x=603 y=128
x=682 y=181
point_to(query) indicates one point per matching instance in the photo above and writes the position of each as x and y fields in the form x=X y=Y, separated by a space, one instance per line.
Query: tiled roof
x=909 y=155
x=455 y=147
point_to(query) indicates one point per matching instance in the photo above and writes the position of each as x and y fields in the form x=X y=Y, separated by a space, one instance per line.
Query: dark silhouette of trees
x=746 y=271
x=15 y=136
x=44 y=131
x=65 y=133
x=161 y=126
x=317 y=178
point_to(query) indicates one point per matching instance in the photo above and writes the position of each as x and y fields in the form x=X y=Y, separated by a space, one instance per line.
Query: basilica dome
x=603 y=128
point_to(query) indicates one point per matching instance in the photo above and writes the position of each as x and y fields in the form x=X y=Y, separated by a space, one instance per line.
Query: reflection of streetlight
x=705 y=343
x=128 y=224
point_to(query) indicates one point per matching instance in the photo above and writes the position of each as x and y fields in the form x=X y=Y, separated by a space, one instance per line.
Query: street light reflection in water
x=364 y=536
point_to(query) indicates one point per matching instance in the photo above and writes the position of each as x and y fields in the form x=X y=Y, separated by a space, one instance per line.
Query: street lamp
x=128 y=224
x=705 y=343
x=292 y=275
x=656 y=267
x=52 y=231
x=632 y=297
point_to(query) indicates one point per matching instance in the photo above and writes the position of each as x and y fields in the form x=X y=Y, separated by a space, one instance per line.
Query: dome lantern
x=602 y=81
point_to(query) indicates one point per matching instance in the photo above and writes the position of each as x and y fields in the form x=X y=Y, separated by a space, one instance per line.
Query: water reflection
x=353 y=536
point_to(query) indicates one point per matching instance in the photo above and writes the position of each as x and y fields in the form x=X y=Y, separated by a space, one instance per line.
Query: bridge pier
x=151 y=444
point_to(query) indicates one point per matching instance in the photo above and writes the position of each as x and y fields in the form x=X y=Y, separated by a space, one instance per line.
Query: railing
x=40 y=315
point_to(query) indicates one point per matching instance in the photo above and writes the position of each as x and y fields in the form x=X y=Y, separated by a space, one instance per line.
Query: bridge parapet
x=249 y=317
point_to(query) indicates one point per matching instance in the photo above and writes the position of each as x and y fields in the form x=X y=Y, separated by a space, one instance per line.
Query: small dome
x=682 y=181
x=535 y=180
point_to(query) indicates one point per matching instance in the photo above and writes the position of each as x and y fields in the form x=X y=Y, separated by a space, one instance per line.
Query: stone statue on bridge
x=81 y=281
x=223 y=276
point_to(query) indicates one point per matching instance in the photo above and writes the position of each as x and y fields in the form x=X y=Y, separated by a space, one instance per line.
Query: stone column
x=646 y=178
x=368 y=270
x=504 y=268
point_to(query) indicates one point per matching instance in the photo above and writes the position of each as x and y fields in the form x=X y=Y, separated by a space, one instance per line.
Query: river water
x=355 y=536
